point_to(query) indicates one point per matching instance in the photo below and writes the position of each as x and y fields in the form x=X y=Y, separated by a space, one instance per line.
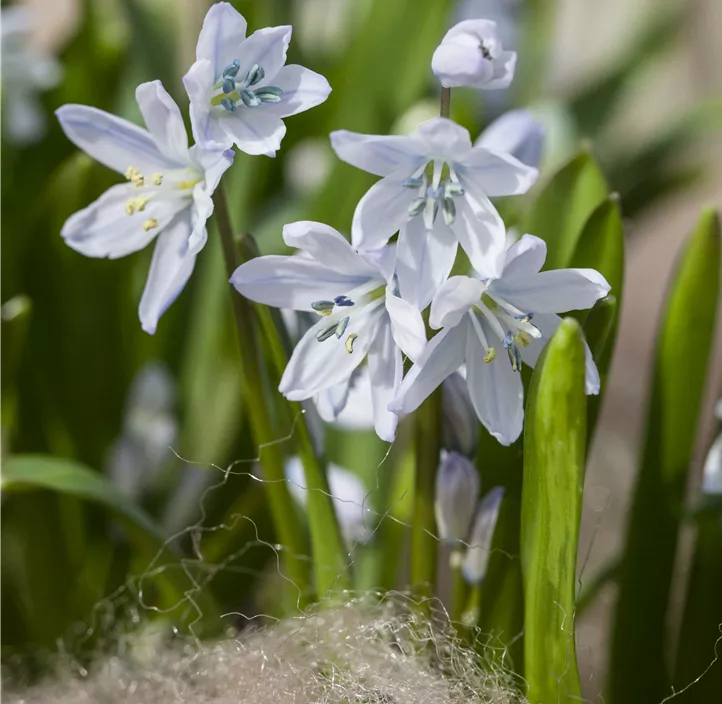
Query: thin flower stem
x=445 y=102
x=427 y=445
x=459 y=590
x=283 y=511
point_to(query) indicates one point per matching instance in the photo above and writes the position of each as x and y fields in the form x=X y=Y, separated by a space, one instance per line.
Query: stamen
x=136 y=204
x=413 y=182
x=157 y=179
x=485 y=51
x=343 y=301
x=349 y=342
x=228 y=104
x=490 y=356
x=250 y=99
x=269 y=94
x=323 y=335
x=513 y=352
x=453 y=188
x=255 y=75
x=524 y=317
x=341 y=327
x=448 y=207
x=417 y=206
x=232 y=69
x=149 y=224
x=523 y=338
x=229 y=85
x=323 y=307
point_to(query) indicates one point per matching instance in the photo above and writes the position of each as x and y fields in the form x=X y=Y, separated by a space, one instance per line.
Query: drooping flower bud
x=460 y=429
x=476 y=559
x=457 y=486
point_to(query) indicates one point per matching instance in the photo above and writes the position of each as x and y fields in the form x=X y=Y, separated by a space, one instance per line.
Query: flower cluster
x=367 y=296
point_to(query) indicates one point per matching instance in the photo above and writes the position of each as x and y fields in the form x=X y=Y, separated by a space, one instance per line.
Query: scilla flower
x=360 y=315
x=471 y=54
x=167 y=193
x=493 y=327
x=239 y=87
x=435 y=189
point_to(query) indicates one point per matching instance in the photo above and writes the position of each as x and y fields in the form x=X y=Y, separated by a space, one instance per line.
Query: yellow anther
x=349 y=342
x=157 y=179
x=490 y=355
x=130 y=207
x=132 y=173
x=523 y=338
x=136 y=204
x=138 y=181
x=149 y=224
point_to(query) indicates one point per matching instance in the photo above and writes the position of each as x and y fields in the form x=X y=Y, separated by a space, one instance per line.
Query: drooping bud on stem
x=476 y=559
x=457 y=486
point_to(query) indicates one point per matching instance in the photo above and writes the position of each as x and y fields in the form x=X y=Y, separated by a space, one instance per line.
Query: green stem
x=329 y=555
x=427 y=443
x=445 y=102
x=459 y=590
x=283 y=510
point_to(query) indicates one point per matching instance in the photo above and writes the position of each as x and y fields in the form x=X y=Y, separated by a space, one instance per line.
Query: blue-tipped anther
x=250 y=99
x=416 y=207
x=229 y=85
x=324 y=334
x=255 y=75
x=323 y=307
x=341 y=327
x=229 y=104
x=449 y=209
x=451 y=188
x=231 y=71
x=524 y=317
x=343 y=301
x=513 y=352
x=269 y=94
x=413 y=182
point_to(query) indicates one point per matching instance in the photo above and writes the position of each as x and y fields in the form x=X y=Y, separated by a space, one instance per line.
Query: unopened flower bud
x=476 y=559
x=457 y=486
x=460 y=429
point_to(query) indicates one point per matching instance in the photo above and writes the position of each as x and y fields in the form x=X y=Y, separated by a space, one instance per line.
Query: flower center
x=437 y=186
x=230 y=90
x=342 y=309
x=511 y=326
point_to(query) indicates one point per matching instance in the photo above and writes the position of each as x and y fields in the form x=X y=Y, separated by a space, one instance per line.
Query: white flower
x=239 y=87
x=360 y=315
x=493 y=326
x=476 y=558
x=457 y=487
x=435 y=189
x=25 y=73
x=471 y=54
x=168 y=193
x=349 y=495
x=516 y=132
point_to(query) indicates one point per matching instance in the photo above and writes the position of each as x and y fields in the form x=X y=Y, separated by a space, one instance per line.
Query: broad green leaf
x=563 y=207
x=638 y=664
x=554 y=459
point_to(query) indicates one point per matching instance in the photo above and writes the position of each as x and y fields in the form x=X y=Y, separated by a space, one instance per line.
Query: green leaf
x=638 y=663
x=563 y=207
x=554 y=458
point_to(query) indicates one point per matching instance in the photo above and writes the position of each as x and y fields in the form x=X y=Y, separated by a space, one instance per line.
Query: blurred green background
x=639 y=82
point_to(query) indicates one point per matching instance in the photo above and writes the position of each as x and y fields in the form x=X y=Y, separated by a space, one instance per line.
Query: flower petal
x=444 y=139
x=254 y=130
x=328 y=247
x=453 y=300
x=380 y=155
x=224 y=28
x=330 y=402
x=516 y=132
x=302 y=88
x=266 y=48
x=291 y=282
x=164 y=121
x=481 y=233
x=315 y=366
x=525 y=258
x=424 y=259
x=110 y=140
x=103 y=229
x=495 y=389
x=443 y=355
x=170 y=269
x=407 y=326
x=495 y=174
x=206 y=126
x=382 y=211
x=386 y=369
x=554 y=291
x=504 y=68
x=459 y=63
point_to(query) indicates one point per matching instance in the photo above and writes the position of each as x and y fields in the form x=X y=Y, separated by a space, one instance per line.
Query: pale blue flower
x=167 y=193
x=476 y=557
x=239 y=87
x=457 y=488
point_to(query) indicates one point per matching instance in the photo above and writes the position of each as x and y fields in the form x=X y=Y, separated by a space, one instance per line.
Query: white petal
x=382 y=211
x=495 y=174
x=407 y=326
x=554 y=291
x=386 y=369
x=206 y=125
x=266 y=48
x=382 y=260
x=164 y=121
x=380 y=155
x=459 y=63
x=302 y=88
x=424 y=259
x=481 y=234
x=224 y=28
x=103 y=229
x=254 y=130
x=444 y=139
x=315 y=366
x=170 y=269
x=443 y=355
x=291 y=282
x=496 y=390
x=358 y=414
x=453 y=300
x=328 y=247
x=110 y=140
x=330 y=402
x=516 y=132
x=524 y=258
x=482 y=535
x=504 y=68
